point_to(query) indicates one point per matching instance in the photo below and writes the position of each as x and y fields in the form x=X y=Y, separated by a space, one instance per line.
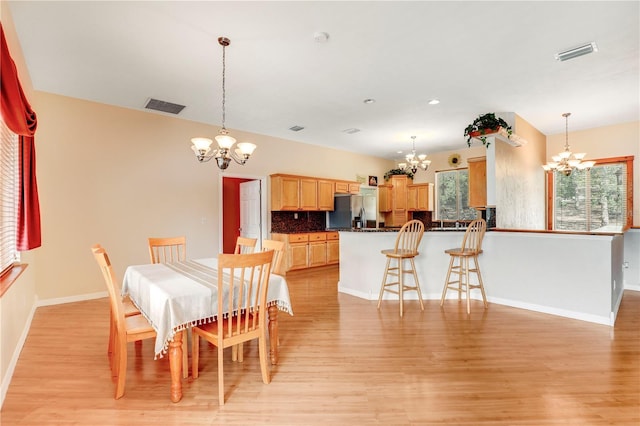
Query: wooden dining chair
x=167 y=249
x=406 y=249
x=278 y=254
x=237 y=353
x=129 y=310
x=128 y=329
x=243 y=281
x=245 y=245
x=459 y=264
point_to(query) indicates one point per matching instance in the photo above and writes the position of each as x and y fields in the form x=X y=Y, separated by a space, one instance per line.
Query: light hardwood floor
x=343 y=362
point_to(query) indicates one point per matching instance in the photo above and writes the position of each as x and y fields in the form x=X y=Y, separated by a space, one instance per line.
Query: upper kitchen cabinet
x=419 y=196
x=344 y=187
x=477 y=181
x=398 y=215
x=326 y=189
x=384 y=198
x=293 y=193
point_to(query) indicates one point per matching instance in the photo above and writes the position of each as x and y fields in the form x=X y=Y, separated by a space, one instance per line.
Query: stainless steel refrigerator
x=354 y=211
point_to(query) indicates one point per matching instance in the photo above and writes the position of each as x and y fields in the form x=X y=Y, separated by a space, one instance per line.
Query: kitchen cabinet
x=384 y=198
x=325 y=195
x=344 y=187
x=296 y=250
x=294 y=193
x=308 y=194
x=398 y=214
x=303 y=193
x=333 y=248
x=307 y=250
x=317 y=249
x=477 y=181
x=418 y=197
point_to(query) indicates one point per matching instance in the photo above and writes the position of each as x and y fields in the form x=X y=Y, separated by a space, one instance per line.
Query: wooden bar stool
x=406 y=249
x=459 y=263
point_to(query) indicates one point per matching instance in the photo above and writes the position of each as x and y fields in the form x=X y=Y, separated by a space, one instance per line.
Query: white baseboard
x=6 y=380
x=476 y=296
x=71 y=299
x=632 y=287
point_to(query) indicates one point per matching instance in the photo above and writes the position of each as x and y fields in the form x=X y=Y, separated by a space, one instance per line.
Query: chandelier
x=566 y=161
x=413 y=161
x=225 y=152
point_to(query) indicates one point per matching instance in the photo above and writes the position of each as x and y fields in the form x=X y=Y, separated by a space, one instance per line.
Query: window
x=452 y=196
x=8 y=197
x=596 y=200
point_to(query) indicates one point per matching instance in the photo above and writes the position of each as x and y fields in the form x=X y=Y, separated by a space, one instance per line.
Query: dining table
x=175 y=296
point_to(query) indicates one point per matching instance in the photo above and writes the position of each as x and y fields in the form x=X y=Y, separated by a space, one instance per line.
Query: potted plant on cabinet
x=484 y=125
x=392 y=172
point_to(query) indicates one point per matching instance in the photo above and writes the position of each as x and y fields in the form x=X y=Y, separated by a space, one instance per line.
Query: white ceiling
x=476 y=57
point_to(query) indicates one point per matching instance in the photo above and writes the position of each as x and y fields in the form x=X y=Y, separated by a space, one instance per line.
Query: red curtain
x=21 y=119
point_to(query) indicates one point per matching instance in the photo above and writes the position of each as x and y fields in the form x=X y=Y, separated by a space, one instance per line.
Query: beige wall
x=116 y=176
x=605 y=142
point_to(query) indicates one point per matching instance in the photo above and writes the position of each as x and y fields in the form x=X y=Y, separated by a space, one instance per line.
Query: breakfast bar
x=574 y=275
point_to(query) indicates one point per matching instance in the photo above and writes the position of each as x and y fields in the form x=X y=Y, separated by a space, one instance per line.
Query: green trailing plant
x=485 y=124
x=393 y=172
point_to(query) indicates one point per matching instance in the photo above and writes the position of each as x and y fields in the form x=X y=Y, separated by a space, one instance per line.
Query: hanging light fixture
x=565 y=162
x=225 y=151
x=415 y=161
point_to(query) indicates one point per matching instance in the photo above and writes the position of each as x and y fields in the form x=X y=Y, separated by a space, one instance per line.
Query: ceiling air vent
x=163 y=106
x=351 y=131
x=296 y=128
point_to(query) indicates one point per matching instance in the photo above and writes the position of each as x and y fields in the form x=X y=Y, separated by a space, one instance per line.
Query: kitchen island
x=572 y=275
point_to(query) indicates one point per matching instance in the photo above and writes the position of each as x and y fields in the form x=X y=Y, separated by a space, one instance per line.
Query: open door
x=250 y=218
x=242 y=214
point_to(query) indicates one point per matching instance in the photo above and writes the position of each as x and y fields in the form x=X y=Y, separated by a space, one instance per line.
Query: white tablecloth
x=175 y=296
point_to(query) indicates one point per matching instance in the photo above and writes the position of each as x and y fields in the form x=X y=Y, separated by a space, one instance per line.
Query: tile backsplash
x=286 y=223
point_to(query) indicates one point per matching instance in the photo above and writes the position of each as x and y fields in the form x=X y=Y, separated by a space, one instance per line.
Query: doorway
x=242 y=209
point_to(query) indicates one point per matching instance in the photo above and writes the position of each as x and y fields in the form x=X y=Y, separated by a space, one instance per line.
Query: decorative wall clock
x=454 y=160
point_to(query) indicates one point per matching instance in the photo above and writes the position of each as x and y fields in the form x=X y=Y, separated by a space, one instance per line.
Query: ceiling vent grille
x=163 y=106
x=351 y=131
x=296 y=128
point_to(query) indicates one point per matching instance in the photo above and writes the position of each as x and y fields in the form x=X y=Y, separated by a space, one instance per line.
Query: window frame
x=437 y=198
x=628 y=160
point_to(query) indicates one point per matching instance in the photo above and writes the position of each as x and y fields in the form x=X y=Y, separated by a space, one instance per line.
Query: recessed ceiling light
x=369 y=101
x=577 y=51
x=434 y=102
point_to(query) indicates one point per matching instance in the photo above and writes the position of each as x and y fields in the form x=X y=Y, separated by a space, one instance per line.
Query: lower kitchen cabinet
x=317 y=249
x=333 y=248
x=308 y=250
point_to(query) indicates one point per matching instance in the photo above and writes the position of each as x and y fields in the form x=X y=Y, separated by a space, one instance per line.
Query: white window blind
x=8 y=198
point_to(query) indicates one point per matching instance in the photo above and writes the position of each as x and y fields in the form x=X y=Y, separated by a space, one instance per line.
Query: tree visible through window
x=452 y=197
x=593 y=200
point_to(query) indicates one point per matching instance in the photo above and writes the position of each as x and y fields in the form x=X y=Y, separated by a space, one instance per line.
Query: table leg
x=273 y=334
x=175 y=365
